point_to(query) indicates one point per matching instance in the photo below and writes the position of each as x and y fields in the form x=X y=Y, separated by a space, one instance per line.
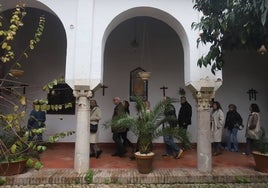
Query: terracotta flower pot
x=261 y=161
x=12 y=168
x=144 y=162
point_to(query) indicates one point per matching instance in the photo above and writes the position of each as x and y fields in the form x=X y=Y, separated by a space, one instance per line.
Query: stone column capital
x=82 y=91
x=204 y=90
x=204 y=99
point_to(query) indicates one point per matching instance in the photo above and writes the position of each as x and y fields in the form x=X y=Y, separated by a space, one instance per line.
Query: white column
x=81 y=158
x=204 y=160
x=204 y=91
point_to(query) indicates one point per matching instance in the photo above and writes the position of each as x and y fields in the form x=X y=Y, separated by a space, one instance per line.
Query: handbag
x=93 y=128
x=255 y=134
x=239 y=126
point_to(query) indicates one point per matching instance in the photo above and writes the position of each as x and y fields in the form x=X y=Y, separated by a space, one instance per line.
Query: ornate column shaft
x=204 y=160
x=81 y=158
x=204 y=91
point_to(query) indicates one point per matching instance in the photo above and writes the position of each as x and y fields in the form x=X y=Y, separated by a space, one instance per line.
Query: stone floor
x=231 y=169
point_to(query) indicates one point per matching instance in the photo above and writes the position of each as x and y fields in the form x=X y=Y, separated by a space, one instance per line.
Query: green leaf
x=4 y=45
x=13 y=148
x=200 y=62
x=23 y=100
x=3 y=180
x=38 y=165
x=30 y=163
x=18 y=65
x=31 y=46
x=15 y=108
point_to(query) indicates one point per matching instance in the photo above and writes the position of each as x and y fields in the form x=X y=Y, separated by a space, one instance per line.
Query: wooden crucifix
x=164 y=90
x=103 y=89
x=24 y=87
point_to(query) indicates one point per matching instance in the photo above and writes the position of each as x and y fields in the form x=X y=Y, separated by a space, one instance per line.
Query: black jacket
x=232 y=118
x=185 y=115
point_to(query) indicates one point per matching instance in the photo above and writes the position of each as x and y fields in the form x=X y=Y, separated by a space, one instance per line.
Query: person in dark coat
x=233 y=120
x=185 y=114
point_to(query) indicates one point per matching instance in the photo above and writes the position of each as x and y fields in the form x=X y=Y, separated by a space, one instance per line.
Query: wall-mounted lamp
x=252 y=94
x=262 y=50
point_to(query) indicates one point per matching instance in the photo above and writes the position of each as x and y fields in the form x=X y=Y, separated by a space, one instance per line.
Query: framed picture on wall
x=138 y=87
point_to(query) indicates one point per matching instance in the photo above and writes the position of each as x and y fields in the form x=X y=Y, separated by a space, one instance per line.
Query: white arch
x=157 y=14
x=29 y=3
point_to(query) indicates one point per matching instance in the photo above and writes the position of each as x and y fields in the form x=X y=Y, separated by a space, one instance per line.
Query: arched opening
x=45 y=63
x=159 y=15
x=158 y=50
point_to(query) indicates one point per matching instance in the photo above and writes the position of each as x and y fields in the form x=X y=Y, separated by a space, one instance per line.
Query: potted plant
x=260 y=154
x=15 y=148
x=17 y=151
x=147 y=127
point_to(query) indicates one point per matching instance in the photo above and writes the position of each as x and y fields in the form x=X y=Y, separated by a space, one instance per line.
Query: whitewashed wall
x=165 y=58
x=244 y=70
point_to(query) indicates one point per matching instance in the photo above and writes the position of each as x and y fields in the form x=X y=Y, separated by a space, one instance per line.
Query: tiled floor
x=61 y=155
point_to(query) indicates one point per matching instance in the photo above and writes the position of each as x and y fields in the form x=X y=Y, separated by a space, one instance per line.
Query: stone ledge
x=132 y=176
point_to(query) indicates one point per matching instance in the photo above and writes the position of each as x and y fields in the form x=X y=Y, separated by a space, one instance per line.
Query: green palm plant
x=147 y=125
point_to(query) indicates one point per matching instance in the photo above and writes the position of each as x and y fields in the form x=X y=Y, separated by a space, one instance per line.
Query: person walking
x=117 y=131
x=95 y=117
x=217 y=123
x=171 y=146
x=253 y=128
x=185 y=114
x=233 y=119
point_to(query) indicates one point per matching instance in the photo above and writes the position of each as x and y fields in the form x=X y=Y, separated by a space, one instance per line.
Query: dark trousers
x=171 y=146
x=249 y=146
x=126 y=141
x=216 y=147
x=120 y=149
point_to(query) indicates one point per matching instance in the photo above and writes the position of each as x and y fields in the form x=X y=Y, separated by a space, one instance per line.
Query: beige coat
x=253 y=129
x=95 y=117
x=217 y=124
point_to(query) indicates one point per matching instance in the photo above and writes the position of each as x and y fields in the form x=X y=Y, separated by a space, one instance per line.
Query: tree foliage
x=8 y=36
x=228 y=25
x=14 y=142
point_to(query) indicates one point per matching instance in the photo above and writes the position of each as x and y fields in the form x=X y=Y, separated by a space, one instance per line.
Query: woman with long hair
x=217 y=123
x=95 y=116
x=253 y=128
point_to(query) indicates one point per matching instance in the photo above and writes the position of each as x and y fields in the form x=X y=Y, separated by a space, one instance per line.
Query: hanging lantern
x=262 y=50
